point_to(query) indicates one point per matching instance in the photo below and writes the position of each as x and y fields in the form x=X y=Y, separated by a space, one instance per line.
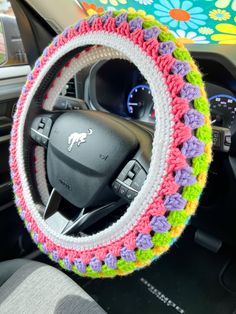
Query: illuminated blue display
x=131 y=94
x=223 y=110
x=221 y=96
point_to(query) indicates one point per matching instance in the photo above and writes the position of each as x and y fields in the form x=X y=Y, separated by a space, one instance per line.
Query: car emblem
x=78 y=138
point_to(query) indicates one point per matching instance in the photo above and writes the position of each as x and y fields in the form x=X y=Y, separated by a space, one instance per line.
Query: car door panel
x=14 y=240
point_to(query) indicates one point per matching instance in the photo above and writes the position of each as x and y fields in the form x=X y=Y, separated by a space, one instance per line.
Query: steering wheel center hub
x=85 y=151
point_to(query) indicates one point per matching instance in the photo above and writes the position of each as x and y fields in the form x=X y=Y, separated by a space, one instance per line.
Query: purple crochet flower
x=92 y=18
x=95 y=264
x=66 y=31
x=45 y=51
x=15 y=189
x=55 y=256
x=44 y=247
x=194 y=119
x=37 y=63
x=127 y=255
x=22 y=213
x=192 y=147
x=25 y=89
x=67 y=263
x=180 y=67
x=29 y=77
x=136 y=23
x=151 y=32
x=166 y=47
x=77 y=26
x=174 y=202
x=144 y=241
x=35 y=237
x=28 y=226
x=111 y=261
x=121 y=18
x=55 y=40
x=190 y=91
x=80 y=265
x=184 y=177
x=106 y=16
x=160 y=224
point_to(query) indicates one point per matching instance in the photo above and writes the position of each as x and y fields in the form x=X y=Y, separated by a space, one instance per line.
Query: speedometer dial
x=223 y=110
x=139 y=99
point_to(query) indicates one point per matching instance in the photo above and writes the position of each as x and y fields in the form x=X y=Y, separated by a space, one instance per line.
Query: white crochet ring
x=181 y=146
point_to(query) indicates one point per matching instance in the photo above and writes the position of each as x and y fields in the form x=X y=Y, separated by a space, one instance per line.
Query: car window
x=2 y=46
x=11 y=47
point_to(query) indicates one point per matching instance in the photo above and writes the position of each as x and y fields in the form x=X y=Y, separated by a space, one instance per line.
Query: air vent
x=70 y=88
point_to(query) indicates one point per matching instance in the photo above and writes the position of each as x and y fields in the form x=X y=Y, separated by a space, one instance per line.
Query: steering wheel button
x=139 y=180
x=116 y=186
x=38 y=138
x=41 y=125
x=130 y=195
x=44 y=140
x=136 y=168
x=47 y=127
x=124 y=173
x=44 y=120
x=131 y=175
x=123 y=191
x=128 y=181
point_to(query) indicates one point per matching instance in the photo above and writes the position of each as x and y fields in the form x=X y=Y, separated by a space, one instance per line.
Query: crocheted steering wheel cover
x=181 y=146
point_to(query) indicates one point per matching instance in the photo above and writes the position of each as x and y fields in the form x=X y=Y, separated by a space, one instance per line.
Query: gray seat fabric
x=28 y=287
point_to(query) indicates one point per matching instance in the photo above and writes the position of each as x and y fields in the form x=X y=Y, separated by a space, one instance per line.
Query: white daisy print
x=190 y=37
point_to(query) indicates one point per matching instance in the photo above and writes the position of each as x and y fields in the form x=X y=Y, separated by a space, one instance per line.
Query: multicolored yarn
x=183 y=137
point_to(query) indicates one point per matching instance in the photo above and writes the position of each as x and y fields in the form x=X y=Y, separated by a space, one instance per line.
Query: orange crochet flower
x=92 y=8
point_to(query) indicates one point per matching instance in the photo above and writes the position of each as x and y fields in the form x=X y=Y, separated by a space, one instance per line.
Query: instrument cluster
x=118 y=87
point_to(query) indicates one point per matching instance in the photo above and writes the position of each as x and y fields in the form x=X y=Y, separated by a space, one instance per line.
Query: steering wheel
x=72 y=168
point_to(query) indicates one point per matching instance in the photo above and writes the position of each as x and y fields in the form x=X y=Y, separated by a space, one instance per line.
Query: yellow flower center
x=185 y=41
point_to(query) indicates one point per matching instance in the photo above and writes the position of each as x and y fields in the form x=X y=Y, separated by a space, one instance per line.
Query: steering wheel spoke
x=52 y=204
x=86 y=218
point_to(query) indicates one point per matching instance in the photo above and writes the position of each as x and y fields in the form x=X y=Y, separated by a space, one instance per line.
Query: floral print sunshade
x=196 y=21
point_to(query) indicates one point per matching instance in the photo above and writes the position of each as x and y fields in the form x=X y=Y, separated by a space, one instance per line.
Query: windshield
x=200 y=22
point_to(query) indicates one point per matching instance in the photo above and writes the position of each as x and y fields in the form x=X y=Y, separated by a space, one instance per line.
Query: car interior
x=198 y=274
